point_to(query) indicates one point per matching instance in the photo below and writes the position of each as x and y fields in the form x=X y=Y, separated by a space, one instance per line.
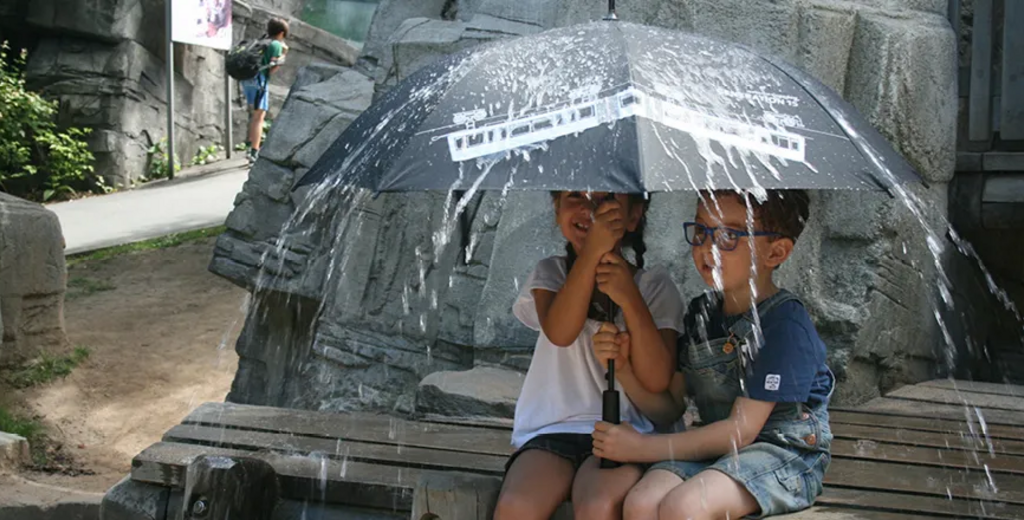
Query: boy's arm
x=624 y=444
x=277 y=50
x=662 y=408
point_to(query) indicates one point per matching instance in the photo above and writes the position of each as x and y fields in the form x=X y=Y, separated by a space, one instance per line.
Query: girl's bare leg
x=598 y=493
x=534 y=486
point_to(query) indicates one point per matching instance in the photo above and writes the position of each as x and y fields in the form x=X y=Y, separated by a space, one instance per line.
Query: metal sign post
x=170 y=94
x=197 y=23
x=227 y=116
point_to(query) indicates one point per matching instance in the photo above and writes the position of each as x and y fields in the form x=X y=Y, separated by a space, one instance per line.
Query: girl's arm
x=653 y=355
x=653 y=358
x=622 y=443
x=563 y=314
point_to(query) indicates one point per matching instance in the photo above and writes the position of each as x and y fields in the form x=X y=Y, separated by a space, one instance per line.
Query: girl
x=566 y=300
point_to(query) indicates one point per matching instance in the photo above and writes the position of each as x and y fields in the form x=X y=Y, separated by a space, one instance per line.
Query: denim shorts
x=574 y=447
x=256 y=93
x=782 y=480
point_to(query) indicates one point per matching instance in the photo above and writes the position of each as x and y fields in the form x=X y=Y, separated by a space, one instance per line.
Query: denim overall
x=784 y=467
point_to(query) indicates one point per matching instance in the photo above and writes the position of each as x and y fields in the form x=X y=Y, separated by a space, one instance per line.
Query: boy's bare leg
x=256 y=127
x=710 y=495
x=645 y=498
x=598 y=493
x=534 y=486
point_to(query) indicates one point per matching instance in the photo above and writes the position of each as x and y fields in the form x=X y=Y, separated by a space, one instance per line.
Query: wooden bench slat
x=948 y=396
x=847 y=448
x=354 y=483
x=835 y=513
x=918 y=504
x=843 y=416
x=980 y=387
x=923 y=480
x=950 y=442
x=337 y=449
x=355 y=426
x=906 y=407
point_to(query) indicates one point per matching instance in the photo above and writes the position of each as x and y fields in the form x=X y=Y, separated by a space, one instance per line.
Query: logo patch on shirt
x=772 y=382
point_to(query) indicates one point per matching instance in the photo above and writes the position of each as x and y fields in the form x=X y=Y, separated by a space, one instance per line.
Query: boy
x=256 y=95
x=761 y=392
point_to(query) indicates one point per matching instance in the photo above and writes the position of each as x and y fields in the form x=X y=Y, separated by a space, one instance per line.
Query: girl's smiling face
x=574 y=212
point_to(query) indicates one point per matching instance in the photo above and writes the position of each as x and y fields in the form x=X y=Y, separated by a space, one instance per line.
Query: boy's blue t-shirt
x=791 y=364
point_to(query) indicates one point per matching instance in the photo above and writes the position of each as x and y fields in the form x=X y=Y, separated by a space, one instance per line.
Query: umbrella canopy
x=610 y=106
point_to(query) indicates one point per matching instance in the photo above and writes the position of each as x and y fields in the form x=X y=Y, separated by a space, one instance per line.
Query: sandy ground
x=161 y=330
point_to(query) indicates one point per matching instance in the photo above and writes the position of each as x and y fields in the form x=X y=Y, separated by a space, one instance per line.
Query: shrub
x=37 y=160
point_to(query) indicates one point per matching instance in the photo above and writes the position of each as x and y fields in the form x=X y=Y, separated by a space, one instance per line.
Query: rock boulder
x=32 y=280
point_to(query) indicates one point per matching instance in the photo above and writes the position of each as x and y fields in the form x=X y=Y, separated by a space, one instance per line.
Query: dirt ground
x=161 y=331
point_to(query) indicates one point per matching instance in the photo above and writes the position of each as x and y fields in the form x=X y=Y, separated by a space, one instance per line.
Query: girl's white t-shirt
x=563 y=387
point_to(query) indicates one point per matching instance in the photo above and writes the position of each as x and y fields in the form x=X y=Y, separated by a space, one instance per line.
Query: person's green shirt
x=273 y=52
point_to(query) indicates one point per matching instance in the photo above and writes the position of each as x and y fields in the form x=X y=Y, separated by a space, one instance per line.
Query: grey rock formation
x=480 y=392
x=32 y=280
x=105 y=62
x=14 y=452
x=371 y=295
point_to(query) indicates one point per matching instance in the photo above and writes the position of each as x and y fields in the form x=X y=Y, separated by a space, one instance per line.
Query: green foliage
x=38 y=161
x=158 y=161
x=48 y=367
x=206 y=155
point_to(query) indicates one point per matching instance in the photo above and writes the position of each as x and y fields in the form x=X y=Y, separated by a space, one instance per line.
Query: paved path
x=198 y=198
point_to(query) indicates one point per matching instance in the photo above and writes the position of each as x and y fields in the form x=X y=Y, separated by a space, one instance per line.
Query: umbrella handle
x=610 y=397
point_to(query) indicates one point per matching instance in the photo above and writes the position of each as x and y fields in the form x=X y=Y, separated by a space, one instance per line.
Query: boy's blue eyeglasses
x=725 y=238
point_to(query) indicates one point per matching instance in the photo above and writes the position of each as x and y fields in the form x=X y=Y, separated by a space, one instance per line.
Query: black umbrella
x=610 y=106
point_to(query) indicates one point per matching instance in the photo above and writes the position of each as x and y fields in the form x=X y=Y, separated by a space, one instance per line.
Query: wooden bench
x=905 y=456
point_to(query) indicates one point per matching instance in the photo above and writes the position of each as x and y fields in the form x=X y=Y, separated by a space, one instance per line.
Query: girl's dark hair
x=277 y=26
x=632 y=239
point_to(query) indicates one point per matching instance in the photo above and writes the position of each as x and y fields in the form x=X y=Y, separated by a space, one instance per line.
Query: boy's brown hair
x=277 y=26
x=783 y=211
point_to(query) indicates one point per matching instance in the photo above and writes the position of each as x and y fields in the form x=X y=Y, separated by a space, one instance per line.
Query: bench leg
x=222 y=488
x=446 y=495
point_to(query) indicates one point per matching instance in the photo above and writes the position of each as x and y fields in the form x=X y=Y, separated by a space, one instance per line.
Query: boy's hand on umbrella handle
x=614 y=278
x=608 y=228
x=609 y=343
x=618 y=442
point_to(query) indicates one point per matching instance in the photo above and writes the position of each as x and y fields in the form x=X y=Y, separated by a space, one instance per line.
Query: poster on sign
x=202 y=22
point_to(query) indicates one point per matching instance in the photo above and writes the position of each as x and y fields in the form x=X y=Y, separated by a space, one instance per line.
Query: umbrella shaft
x=611 y=6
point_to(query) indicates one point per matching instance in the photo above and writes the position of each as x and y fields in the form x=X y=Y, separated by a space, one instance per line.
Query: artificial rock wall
x=354 y=306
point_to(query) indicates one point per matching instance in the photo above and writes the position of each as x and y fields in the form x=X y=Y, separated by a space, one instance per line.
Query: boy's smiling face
x=731 y=271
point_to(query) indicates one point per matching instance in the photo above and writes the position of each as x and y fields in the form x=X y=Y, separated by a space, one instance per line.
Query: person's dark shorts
x=574 y=447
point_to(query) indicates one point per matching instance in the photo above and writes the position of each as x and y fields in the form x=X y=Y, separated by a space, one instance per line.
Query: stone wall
x=32 y=280
x=391 y=308
x=105 y=63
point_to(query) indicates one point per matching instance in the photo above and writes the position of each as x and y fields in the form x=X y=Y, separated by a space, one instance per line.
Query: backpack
x=245 y=60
